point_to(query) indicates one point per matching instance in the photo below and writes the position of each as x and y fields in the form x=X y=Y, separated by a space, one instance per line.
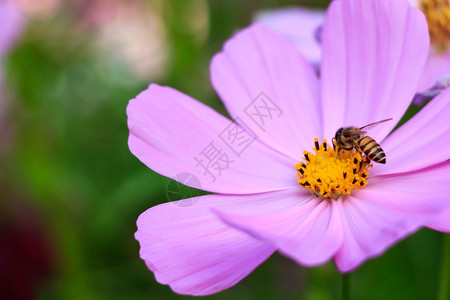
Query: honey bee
x=350 y=138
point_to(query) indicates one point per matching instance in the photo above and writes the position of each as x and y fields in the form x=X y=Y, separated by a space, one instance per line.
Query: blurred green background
x=72 y=191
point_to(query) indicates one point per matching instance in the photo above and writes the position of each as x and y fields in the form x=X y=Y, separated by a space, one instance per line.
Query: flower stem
x=445 y=269
x=346 y=286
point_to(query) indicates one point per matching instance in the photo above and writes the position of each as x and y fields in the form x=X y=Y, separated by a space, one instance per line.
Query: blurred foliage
x=69 y=162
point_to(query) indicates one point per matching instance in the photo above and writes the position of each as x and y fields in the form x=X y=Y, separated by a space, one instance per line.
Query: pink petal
x=307 y=229
x=437 y=67
x=373 y=53
x=255 y=61
x=173 y=134
x=390 y=208
x=298 y=26
x=195 y=253
x=441 y=222
x=423 y=141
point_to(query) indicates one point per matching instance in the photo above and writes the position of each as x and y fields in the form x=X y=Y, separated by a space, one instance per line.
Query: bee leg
x=338 y=151
x=365 y=162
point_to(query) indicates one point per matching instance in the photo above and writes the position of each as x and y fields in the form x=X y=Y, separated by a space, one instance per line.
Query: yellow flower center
x=437 y=13
x=329 y=173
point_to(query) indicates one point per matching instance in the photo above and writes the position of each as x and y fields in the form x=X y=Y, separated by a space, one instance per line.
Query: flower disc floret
x=437 y=13
x=331 y=173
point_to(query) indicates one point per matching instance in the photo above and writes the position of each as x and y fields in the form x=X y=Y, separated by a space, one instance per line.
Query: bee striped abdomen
x=372 y=149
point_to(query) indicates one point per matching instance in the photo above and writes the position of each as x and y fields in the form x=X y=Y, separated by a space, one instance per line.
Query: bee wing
x=354 y=132
x=371 y=125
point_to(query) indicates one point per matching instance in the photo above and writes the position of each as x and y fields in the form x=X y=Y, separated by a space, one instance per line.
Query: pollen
x=330 y=173
x=437 y=13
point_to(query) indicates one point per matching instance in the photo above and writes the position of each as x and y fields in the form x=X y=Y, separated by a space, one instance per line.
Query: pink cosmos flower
x=300 y=26
x=372 y=56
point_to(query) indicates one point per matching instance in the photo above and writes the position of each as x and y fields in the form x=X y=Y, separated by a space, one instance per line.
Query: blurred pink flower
x=27 y=254
x=42 y=9
x=132 y=32
x=372 y=56
x=11 y=22
x=301 y=26
x=437 y=68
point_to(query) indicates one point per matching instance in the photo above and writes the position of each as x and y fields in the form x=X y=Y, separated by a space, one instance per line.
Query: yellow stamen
x=329 y=173
x=437 y=13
